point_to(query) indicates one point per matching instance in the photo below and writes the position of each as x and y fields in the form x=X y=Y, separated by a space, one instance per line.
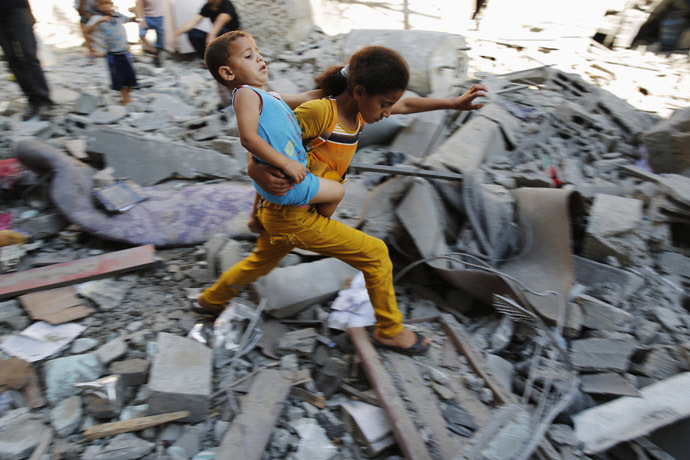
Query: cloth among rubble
x=352 y=307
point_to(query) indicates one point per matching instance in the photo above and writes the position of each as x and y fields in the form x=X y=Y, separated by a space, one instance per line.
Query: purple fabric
x=167 y=219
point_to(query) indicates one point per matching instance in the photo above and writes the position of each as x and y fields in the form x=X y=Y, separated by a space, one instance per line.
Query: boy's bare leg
x=329 y=196
x=125 y=95
x=254 y=224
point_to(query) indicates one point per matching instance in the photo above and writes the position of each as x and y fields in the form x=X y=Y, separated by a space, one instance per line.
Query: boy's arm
x=295 y=100
x=247 y=112
x=426 y=104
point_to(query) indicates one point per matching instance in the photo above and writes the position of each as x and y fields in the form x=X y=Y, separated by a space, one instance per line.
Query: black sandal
x=417 y=349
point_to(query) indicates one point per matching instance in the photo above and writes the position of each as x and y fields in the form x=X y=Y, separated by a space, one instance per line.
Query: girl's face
x=375 y=107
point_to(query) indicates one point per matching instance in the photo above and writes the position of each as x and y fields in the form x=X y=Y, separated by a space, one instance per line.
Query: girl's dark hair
x=378 y=69
x=218 y=53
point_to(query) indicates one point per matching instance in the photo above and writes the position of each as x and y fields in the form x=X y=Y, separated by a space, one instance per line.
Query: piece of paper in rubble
x=41 y=340
x=352 y=307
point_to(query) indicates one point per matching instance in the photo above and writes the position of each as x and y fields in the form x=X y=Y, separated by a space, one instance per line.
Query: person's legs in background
x=156 y=23
x=19 y=45
x=197 y=38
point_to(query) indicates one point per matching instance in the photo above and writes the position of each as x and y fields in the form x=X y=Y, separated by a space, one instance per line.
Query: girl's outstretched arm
x=426 y=104
x=295 y=100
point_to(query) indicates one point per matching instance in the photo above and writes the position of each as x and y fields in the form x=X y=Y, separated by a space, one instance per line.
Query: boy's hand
x=465 y=102
x=295 y=169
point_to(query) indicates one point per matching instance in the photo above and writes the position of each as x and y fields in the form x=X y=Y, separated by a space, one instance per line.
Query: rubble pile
x=537 y=241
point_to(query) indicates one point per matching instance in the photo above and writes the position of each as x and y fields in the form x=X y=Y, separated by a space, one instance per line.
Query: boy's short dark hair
x=218 y=53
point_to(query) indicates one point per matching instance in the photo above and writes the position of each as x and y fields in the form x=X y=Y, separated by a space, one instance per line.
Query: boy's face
x=105 y=7
x=375 y=107
x=246 y=66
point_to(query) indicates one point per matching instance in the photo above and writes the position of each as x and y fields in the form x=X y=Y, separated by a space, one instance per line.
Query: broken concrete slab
x=609 y=383
x=600 y=315
x=149 y=162
x=626 y=418
x=467 y=148
x=437 y=60
x=596 y=354
x=180 y=377
x=610 y=216
x=286 y=293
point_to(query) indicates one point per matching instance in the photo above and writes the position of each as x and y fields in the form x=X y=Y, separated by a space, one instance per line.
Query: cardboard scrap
x=55 y=306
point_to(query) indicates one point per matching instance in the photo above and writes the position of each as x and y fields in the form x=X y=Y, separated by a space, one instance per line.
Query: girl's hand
x=466 y=101
x=296 y=170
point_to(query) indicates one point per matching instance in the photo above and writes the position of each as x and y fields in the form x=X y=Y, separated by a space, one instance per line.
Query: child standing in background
x=110 y=24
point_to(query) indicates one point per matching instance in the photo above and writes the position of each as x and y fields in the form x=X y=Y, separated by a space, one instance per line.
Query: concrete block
x=601 y=315
x=612 y=215
x=112 y=350
x=288 y=290
x=601 y=354
x=132 y=371
x=664 y=140
x=180 y=377
x=610 y=231
x=62 y=373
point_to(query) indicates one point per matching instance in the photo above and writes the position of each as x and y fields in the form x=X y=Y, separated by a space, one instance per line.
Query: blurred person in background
x=224 y=18
x=19 y=46
x=150 y=16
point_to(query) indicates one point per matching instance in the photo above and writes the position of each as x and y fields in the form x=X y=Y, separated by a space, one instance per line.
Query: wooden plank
x=418 y=393
x=461 y=339
x=405 y=171
x=248 y=435
x=406 y=433
x=76 y=271
x=135 y=424
x=55 y=305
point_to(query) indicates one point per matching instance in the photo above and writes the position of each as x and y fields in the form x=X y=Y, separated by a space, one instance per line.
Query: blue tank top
x=279 y=127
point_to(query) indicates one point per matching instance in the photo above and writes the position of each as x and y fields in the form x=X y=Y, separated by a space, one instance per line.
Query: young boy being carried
x=267 y=126
x=110 y=24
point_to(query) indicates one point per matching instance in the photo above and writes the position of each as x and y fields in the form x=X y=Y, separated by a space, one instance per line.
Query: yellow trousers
x=288 y=227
